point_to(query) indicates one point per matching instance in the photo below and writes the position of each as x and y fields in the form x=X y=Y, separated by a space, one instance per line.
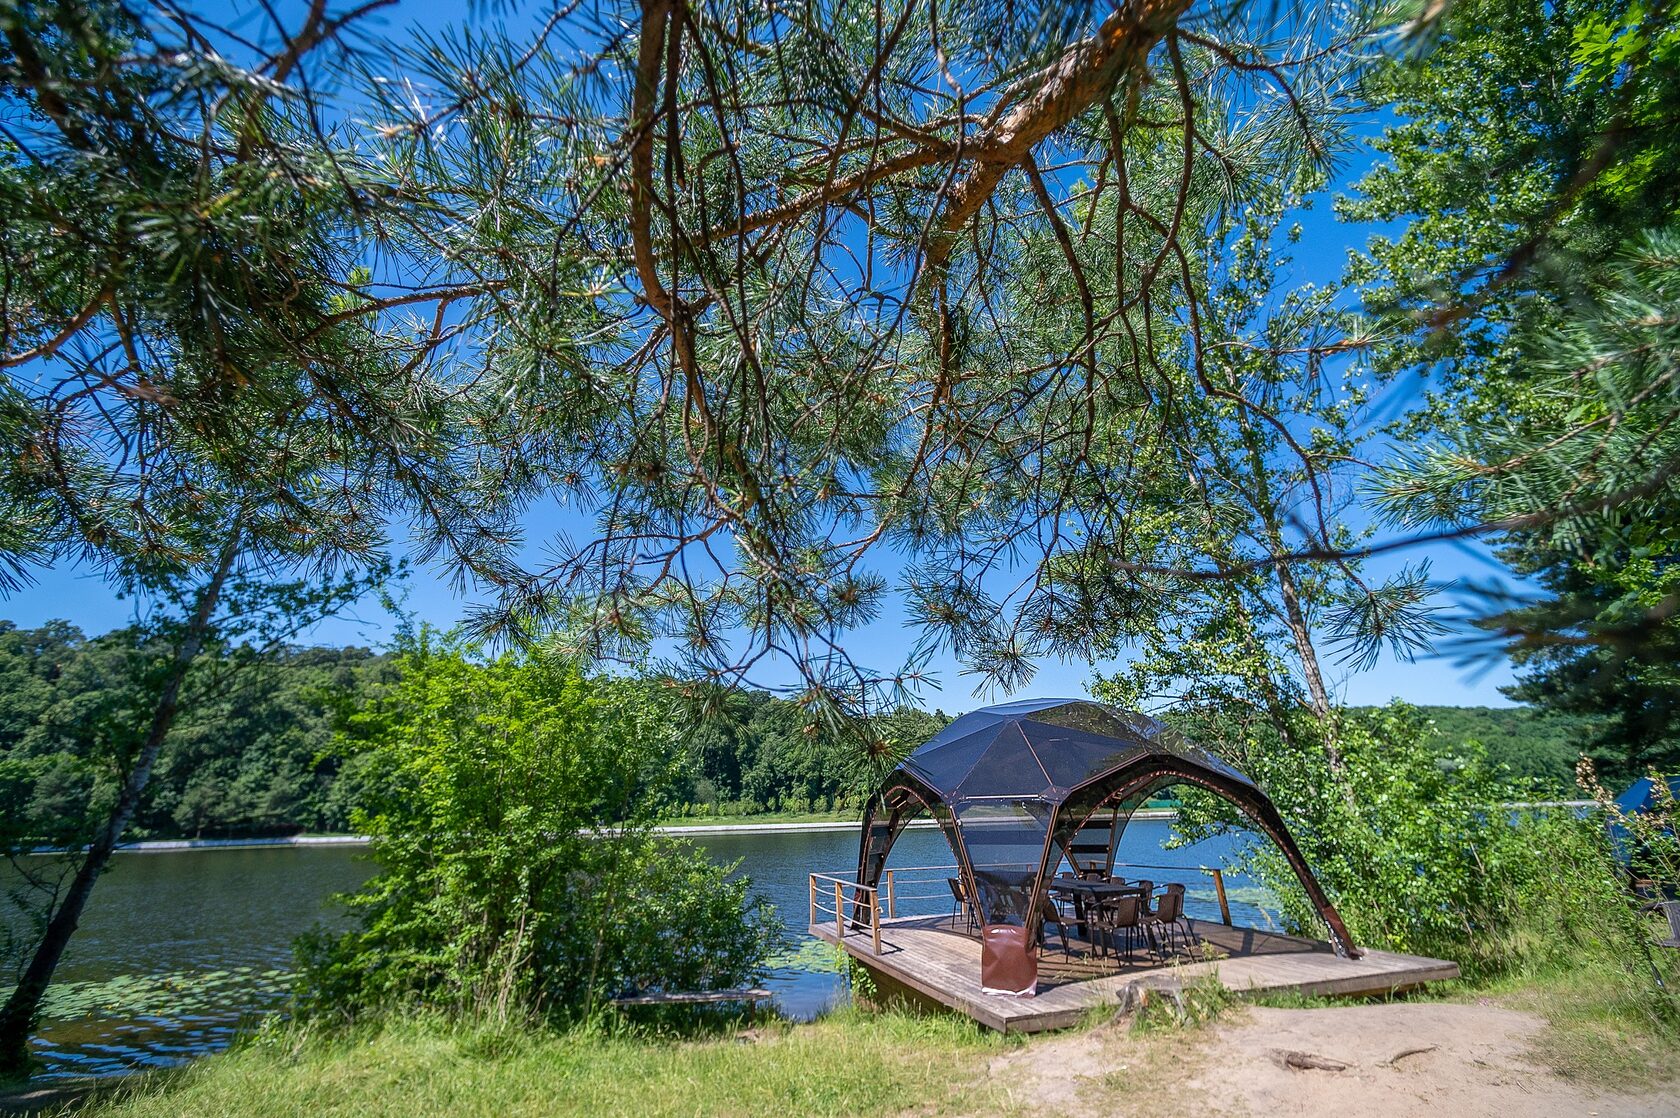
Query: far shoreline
x=697 y=827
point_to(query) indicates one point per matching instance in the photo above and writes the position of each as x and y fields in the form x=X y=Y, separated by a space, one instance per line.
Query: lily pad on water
x=173 y=994
x=811 y=955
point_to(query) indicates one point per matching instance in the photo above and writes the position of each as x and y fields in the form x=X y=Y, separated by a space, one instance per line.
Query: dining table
x=1089 y=894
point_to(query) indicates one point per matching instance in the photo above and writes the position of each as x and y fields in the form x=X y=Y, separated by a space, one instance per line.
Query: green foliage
x=80 y=719
x=1405 y=839
x=1603 y=641
x=1607 y=46
x=1413 y=845
x=1533 y=286
x=252 y=753
x=196 y=402
x=986 y=326
x=249 y=753
x=1569 y=919
x=1510 y=189
x=68 y=708
x=183 y=346
x=1603 y=636
x=752 y=753
x=510 y=803
x=258 y=758
x=1531 y=743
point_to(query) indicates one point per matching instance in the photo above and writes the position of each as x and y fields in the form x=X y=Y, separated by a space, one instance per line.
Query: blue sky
x=80 y=597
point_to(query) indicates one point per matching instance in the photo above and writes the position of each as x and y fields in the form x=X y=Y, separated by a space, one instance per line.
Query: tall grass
x=846 y=1064
x=1569 y=942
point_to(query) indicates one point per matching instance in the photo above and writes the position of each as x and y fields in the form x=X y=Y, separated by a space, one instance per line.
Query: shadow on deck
x=932 y=959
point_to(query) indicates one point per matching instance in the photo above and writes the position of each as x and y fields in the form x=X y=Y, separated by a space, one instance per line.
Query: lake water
x=178 y=951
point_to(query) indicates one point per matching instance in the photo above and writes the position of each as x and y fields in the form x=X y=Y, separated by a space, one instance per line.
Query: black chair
x=960 y=903
x=1050 y=916
x=1063 y=905
x=1168 y=917
x=1145 y=887
x=1122 y=914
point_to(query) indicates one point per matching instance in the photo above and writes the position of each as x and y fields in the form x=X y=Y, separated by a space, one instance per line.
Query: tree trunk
x=1296 y=618
x=1276 y=712
x=1326 y=714
x=17 y=1018
x=1227 y=564
x=1294 y=615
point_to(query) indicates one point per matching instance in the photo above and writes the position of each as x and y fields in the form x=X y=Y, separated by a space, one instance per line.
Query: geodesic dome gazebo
x=1019 y=787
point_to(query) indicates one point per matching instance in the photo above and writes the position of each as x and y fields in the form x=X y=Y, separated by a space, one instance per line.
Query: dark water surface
x=178 y=951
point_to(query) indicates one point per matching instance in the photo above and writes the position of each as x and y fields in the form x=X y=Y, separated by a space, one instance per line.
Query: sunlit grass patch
x=1595 y=1032
x=850 y=1063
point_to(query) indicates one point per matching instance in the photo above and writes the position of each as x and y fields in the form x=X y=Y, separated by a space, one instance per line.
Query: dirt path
x=1407 y=1060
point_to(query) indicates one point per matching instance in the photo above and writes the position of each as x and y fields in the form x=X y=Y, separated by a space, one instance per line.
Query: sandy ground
x=1387 y=1061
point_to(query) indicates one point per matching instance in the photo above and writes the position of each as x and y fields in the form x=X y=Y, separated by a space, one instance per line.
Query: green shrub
x=510 y=803
x=1412 y=842
x=1407 y=839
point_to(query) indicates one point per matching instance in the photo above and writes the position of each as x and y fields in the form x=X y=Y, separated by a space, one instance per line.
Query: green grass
x=849 y=1063
x=1596 y=1033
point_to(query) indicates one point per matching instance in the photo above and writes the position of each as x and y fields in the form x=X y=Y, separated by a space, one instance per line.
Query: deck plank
x=943 y=964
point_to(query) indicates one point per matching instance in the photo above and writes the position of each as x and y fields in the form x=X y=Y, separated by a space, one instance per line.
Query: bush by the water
x=1409 y=837
x=510 y=802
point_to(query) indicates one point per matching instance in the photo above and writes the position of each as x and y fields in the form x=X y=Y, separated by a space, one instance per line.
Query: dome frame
x=1027 y=779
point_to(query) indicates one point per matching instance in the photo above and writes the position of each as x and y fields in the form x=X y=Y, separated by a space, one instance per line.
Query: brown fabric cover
x=1008 y=963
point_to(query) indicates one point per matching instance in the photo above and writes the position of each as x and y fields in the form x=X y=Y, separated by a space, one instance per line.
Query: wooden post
x=813 y=919
x=1224 y=905
x=892 y=896
x=839 y=912
x=875 y=919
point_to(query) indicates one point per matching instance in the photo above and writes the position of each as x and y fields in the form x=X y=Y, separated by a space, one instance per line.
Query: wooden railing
x=831 y=895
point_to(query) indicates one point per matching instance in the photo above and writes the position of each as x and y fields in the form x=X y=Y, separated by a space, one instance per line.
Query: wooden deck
x=933 y=961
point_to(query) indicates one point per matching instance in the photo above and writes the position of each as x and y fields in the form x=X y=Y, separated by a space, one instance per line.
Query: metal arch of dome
x=1035 y=773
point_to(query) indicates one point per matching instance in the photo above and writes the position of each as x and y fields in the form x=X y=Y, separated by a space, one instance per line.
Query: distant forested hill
x=249 y=754
x=1531 y=743
x=258 y=758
